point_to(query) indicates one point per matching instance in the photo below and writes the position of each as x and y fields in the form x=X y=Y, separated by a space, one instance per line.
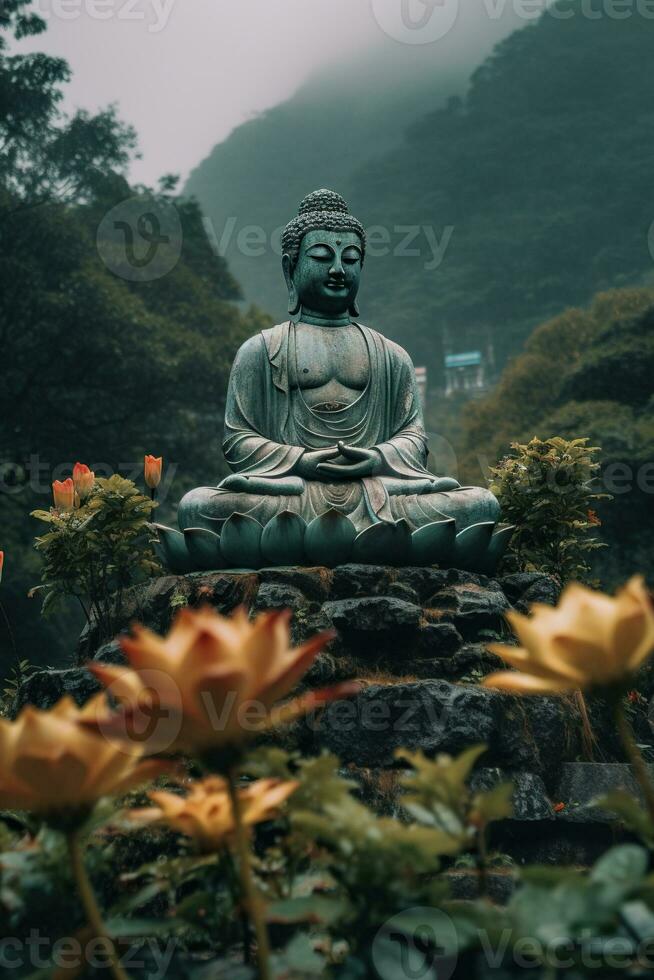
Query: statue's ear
x=293 y=298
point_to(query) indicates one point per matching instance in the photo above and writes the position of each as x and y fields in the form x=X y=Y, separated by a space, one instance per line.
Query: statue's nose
x=336 y=271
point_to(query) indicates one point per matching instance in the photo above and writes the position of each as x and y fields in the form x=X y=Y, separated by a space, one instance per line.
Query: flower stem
x=634 y=755
x=482 y=861
x=250 y=896
x=10 y=632
x=90 y=904
x=587 y=734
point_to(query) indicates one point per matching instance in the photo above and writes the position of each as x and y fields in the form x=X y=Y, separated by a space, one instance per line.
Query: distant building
x=469 y=360
x=465 y=372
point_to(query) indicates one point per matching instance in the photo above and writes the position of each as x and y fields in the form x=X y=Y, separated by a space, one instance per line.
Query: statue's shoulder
x=266 y=341
x=396 y=352
x=274 y=338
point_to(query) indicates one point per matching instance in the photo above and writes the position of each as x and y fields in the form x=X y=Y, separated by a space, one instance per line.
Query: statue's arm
x=404 y=455
x=249 y=443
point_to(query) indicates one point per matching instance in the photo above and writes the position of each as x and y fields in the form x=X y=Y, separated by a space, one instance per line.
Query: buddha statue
x=325 y=438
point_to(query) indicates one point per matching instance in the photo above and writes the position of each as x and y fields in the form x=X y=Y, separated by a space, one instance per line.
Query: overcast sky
x=185 y=72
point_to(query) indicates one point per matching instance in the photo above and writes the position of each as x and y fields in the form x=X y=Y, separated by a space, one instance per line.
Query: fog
x=184 y=73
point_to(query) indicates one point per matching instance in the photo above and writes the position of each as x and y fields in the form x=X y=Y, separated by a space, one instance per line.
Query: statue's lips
x=335 y=286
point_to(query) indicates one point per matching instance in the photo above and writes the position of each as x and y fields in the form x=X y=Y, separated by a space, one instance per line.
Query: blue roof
x=471 y=358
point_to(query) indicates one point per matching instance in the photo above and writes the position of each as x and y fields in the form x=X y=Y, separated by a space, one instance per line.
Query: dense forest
x=95 y=367
x=585 y=373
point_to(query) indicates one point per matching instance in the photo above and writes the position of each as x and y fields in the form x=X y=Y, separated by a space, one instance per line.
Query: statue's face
x=328 y=271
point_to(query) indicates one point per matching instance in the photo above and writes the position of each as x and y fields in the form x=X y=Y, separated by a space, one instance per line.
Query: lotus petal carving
x=373 y=545
x=497 y=548
x=434 y=544
x=282 y=541
x=401 y=553
x=204 y=548
x=240 y=542
x=471 y=546
x=176 y=555
x=329 y=539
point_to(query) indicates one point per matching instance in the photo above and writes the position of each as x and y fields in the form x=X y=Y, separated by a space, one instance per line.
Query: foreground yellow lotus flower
x=212 y=682
x=590 y=640
x=206 y=815
x=50 y=764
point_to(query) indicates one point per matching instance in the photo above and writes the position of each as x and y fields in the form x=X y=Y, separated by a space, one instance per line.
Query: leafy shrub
x=96 y=551
x=548 y=489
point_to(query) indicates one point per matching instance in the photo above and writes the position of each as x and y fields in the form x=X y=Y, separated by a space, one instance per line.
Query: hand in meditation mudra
x=325 y=436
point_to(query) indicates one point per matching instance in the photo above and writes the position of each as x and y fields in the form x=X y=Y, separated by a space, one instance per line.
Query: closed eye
x=321 y=252
x=351 y=255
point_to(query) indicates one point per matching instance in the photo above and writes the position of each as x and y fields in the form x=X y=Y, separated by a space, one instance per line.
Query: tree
x=97 y=366
x=586 y=374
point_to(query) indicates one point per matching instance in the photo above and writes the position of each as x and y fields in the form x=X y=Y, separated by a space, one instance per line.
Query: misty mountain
x=343 y=117
x=494 y=209
x=542 y=178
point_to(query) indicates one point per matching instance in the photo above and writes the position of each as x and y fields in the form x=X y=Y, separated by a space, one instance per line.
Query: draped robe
x=268 y=426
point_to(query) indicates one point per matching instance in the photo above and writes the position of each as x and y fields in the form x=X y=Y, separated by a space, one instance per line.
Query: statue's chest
x=324 y=355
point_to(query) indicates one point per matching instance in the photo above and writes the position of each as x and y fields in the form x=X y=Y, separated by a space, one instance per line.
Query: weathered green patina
x=325 y=437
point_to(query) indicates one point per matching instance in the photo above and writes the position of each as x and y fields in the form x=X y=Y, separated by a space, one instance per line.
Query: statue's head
x=324 y=249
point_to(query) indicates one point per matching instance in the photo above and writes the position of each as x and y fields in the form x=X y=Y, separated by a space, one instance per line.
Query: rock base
x=416 y=638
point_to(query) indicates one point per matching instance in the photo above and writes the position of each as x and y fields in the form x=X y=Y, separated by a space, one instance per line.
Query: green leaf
x=309 y=909
x=42 y=515
x=300 y=955
x=629 y=810
x=135 y=928
x=625 y=865
x=496 y=804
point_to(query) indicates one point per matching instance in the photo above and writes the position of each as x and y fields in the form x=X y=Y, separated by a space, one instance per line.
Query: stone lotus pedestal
x=331 y=540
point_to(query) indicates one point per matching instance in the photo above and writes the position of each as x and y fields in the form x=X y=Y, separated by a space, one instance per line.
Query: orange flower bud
x=152 y=471
x=559 y=807
x=64 y=494
x=83 y=478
